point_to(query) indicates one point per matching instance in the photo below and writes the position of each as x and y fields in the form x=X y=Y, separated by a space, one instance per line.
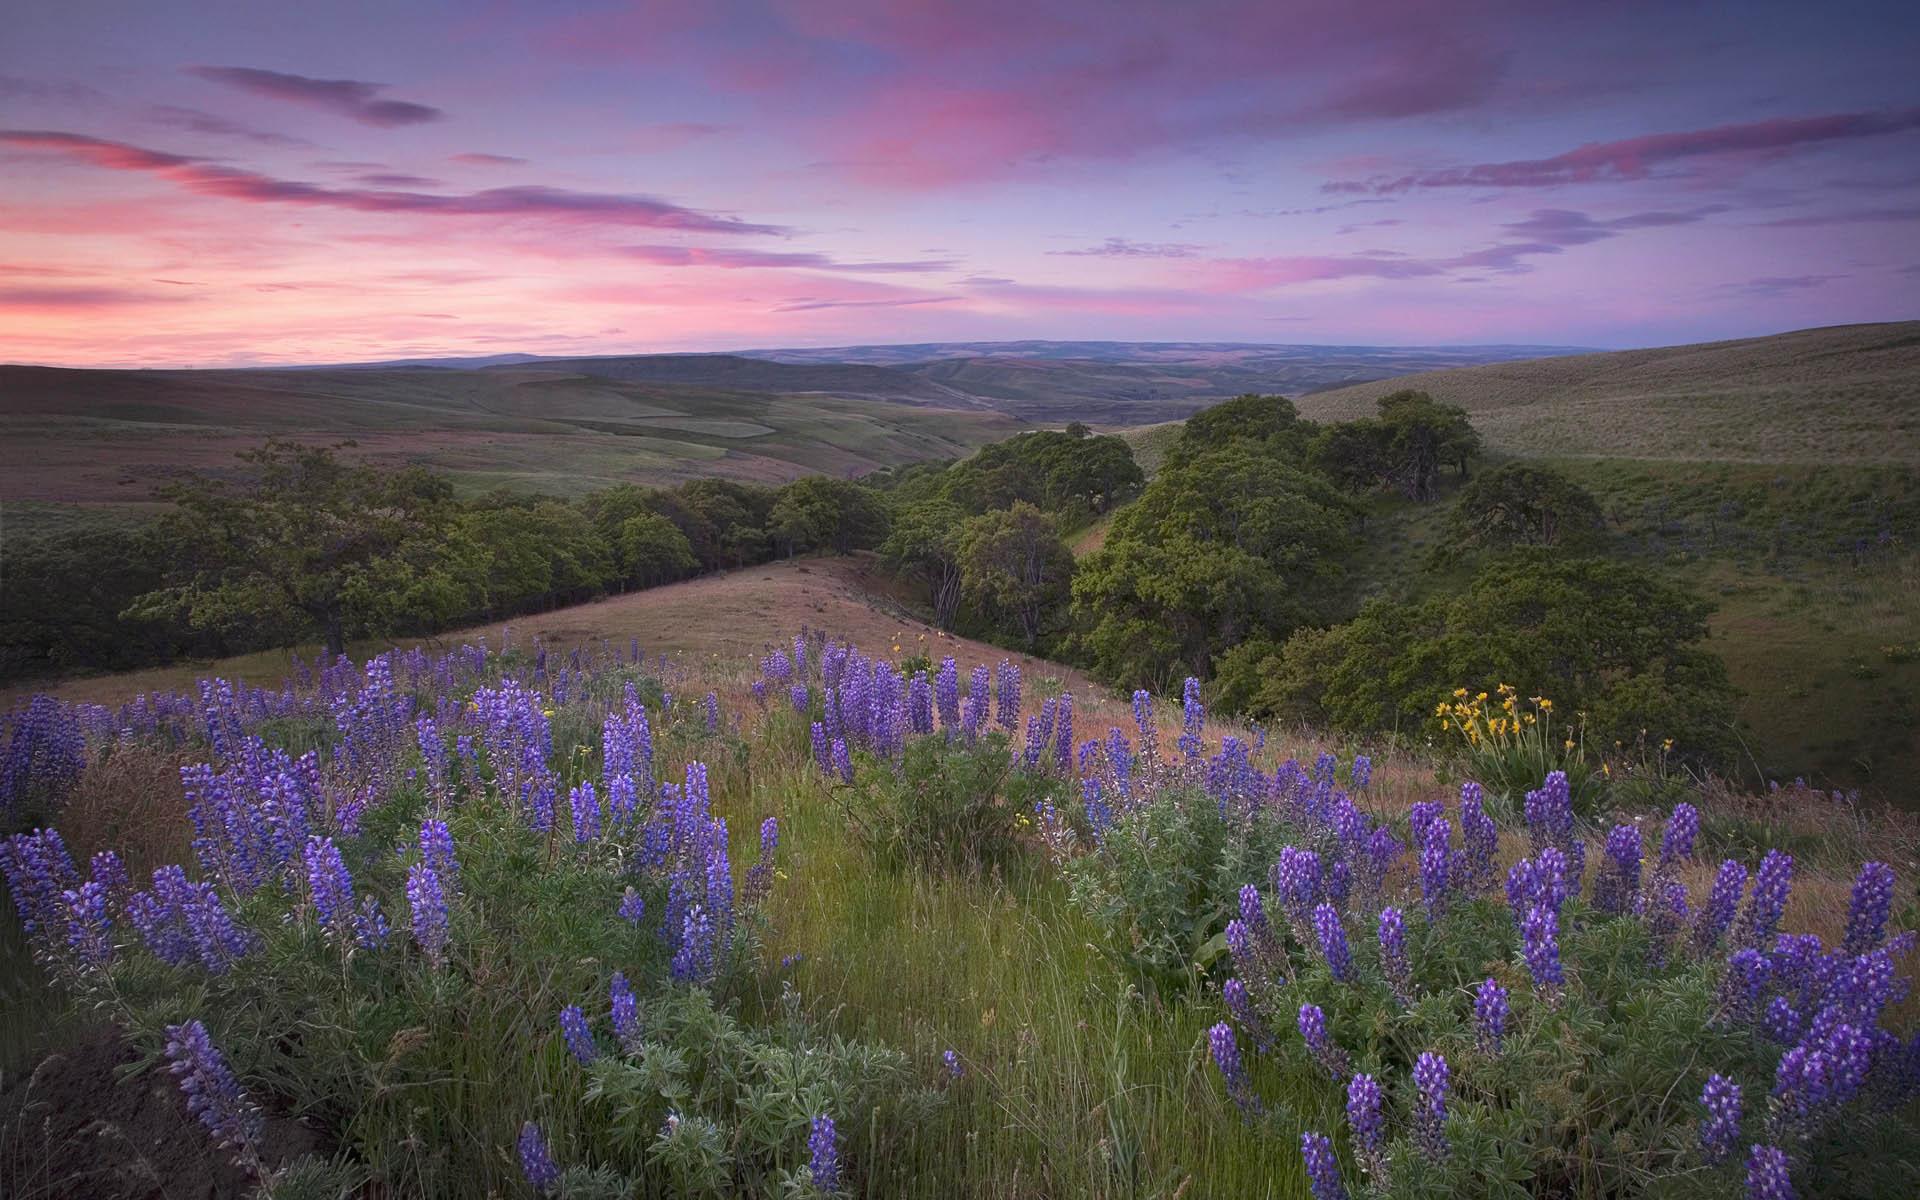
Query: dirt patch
x=71 y=1130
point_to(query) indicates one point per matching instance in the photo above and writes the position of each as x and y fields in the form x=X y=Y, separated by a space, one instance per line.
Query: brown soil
x=73 y=1130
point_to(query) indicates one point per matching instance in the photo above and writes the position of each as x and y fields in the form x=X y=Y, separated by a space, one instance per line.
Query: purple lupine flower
x=1323 y=1170
x=1540 y=936
x=370 y=929
x=920 y=704
x=1420 y=816
x=823 y=1154
x=428 y=904
x=821 y=757
x=946 y=693
x=88 y=924
x=975 y=713
x=579 y=1038
x=108 y=870
x=1393 y=954
x=586 y=813
x=760 y=875
x=214 y=1096
x=1362 y=772
x=1253 y=915
x=1332 y=936
x=1240 y=1005
x=1491 y=1007
x=1782 y=1021
x=1431 y=1076
x=436 y=849
x=626 y=1010
x=1721 y=1129
x=842 y=760
x=1743 y=985
x=1063 y=731
x=1867 y=910
x=330 y=886
x=1313 y=1028
x=1007 y=702
x=1769 y=1174
x=1297 y=882
x=693 y=961
x=1226 y=1056
x=1523 y=886
x=1676 y=843
x=951 y=1060
x=633 y=908
x=1554 y=879
x=1147 y=727
x=1722 y=903
x=1666 y=917
x=1767 y=902
x=1193 y=716
x=1436 y=862
x=1619 y=880
x=540 y=792
x=1365 y=1120
x=1240 y=945
x=1481 y=835
x=535 y=1162
x=711 y=706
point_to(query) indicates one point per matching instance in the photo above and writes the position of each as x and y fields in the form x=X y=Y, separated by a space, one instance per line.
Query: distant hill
x=739 y=373
x=80 y=445
x=1846 y=393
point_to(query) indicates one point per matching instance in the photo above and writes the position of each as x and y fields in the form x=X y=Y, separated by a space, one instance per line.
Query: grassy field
x=83 y=446
x=1848 y=394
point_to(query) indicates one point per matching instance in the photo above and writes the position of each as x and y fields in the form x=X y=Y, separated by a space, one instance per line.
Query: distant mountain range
x=1114 y=383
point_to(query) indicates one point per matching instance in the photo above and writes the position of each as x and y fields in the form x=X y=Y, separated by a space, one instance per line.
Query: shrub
x=944 y=807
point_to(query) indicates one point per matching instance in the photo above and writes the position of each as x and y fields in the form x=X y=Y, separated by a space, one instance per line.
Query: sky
x=239 y=182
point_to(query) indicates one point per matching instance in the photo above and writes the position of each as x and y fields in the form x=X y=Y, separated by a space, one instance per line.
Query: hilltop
x=1846 y=393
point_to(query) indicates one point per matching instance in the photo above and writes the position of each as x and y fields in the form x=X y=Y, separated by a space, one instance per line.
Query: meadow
x=504 y=918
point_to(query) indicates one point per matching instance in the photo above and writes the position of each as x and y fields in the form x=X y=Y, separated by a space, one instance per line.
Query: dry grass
x=1849 y=393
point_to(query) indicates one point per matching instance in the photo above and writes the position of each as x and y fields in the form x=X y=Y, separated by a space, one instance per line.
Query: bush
x=945 y=807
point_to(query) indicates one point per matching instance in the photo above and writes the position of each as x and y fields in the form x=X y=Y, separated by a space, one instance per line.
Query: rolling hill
x=1847 y=393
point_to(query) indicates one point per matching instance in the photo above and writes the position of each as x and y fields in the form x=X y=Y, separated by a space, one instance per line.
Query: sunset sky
x=255 y=181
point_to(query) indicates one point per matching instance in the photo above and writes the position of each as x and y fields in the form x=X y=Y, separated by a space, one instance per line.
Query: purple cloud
x=80 y=298
x=194 y=121
x=350 y=98
x=1566 y=227
x=477 y=159
x=1854 y=216
x=804 y=305
x=389 y=179
x=1116 y=247
x=1634 y=158
x=726 y=259
x=208 y=179
x=1776 y=285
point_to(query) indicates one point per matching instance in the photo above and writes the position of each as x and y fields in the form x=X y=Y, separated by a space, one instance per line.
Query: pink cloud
x=348 y=97
x=1634 y=158
x=729 y=259
x=205 y=178
x=476 y=159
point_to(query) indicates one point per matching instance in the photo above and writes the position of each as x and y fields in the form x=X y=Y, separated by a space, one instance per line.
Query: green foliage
x=1163 y=879
x=1061 y=472
x=945 y=807
x=924 y=544
x=819 y=513
x=1225 y=546
x=1597 y=637
x=1013 y=564
x=1402 y=449
x=1270 y=424
x=1520 y=505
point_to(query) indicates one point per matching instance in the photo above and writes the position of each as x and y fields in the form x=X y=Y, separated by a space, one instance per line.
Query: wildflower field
x=504 y=922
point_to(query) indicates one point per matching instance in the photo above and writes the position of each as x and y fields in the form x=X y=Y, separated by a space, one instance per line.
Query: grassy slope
x=1847 y=394
x=75 y=443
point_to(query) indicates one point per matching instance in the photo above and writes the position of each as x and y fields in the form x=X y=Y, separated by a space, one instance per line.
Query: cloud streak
x=731 y=259
x=207 y=178
x=1635 y=158
x=350 y=98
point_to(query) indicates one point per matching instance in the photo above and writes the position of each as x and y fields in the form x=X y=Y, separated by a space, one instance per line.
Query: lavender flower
x=88 y=924
x=1393 y=954
x=626 y=1010
x=1721 y=1129
x=1007 y=703
x=1676 y=843
x=586 y=813
x=1769 y=1174
x=1226 y=1056
x=1619 y=880
x=1540 y=937
x=214 y=1096
x=1431 y=1076
x=842 y=760
x=1481 y=835
x=535 y=1162
x=1333 y=941
x=1491 y=1007
x=1436 y=862
x=1867 y=910
x=946 y=693
x=951 y=1060
x=579 y=1038
x=1362 y=772
x=823 y=1155
x=436 y=849
x=428 y=904
x=1742 y=986
x=1193 y=716
x=1323 y=1170
x=821 y=758
x=1313 y=1028
x=370 y=929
